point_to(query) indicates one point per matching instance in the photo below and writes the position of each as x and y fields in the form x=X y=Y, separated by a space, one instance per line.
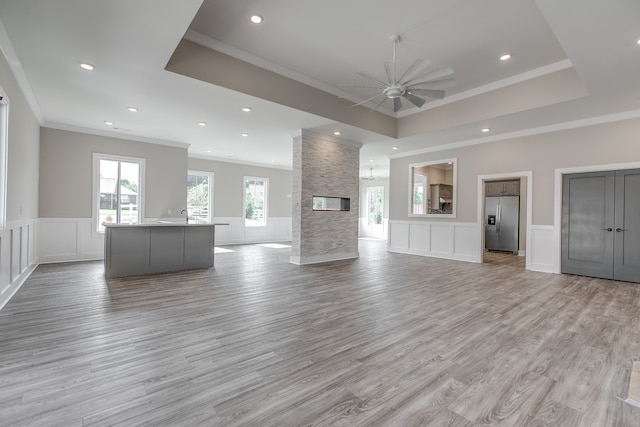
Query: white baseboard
x=316 y=259
x=15 y=286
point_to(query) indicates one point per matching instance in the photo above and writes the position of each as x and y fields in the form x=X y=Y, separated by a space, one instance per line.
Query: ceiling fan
x=416 y=80
x=371 y=176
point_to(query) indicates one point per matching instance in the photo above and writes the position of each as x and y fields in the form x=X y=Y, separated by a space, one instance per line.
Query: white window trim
x=96 y=186
x=210 y=175
x=4 y=164
x=454 y=161
x=425 y=195
x=244 y=200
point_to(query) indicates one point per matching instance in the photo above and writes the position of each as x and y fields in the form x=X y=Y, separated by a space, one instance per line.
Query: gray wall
x=603 y=144
x=23 y=148
x=228 y=187
x=66 y=173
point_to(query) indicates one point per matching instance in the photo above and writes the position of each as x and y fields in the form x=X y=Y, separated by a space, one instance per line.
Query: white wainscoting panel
x=466 y=243
x=398 y=236
x=543 y=251
x=450 y=240
x=420 y=237
x=18 y=243
x=441 y=241
x=278 y=229
x=73 y=239
x=460 y=241
x=69 y=239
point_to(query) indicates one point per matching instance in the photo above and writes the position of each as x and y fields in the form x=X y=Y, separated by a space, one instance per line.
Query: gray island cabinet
x=136 y=249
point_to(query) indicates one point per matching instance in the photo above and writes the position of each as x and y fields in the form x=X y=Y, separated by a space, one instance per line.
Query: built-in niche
x=432 y=189
x=324 y=203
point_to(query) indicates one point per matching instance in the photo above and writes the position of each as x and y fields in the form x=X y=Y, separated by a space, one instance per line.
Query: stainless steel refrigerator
x=502 y=223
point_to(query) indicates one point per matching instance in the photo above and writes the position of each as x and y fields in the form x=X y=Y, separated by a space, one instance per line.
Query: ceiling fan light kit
x=415 y=80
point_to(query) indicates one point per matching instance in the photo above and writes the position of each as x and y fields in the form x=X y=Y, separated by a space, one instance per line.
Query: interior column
x=323 y=166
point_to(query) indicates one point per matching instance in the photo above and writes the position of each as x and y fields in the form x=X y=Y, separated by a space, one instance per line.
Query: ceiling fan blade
x=367 y=76
x=390 y=68
x=433 y=75
x=434 y=84
x=361 y=87
x=415 y=100
x=379 y=103
x=396 y=104
x=438 y=94
x=367 y=100
x=414 y=70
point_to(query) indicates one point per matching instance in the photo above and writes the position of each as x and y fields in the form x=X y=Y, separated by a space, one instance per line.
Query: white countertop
x=162 y=224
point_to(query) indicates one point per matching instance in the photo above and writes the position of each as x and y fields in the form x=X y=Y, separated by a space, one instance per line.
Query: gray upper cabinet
x=503 y=188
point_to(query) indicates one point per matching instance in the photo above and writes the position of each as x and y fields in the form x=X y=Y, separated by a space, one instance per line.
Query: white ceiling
x=321 y=44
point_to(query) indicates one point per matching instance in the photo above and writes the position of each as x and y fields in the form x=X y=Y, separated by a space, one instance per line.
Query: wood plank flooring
x=383 y=340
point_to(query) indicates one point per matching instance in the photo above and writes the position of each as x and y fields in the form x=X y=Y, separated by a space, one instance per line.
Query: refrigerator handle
x=498 y=212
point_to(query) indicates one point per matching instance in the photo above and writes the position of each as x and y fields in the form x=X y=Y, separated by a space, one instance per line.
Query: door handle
x=621 y=229
x=608 y=229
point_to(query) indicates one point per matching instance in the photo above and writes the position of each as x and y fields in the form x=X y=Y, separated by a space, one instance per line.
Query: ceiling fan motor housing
x=394 y=91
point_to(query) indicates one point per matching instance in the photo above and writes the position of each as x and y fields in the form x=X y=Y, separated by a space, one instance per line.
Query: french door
x=601 y=224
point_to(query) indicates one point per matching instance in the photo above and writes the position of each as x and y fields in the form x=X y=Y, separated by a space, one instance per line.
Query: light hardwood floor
x=386 y=339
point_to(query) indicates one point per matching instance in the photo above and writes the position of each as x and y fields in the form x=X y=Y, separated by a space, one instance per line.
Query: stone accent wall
x=324 y=167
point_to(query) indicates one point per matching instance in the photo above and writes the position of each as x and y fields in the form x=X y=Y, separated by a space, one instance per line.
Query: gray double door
x=601 y=224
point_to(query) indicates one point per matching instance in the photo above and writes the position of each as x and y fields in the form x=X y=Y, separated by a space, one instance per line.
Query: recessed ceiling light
x=394 y=148
x=202 y=123
x=108 y=123
x=485 y=130
x=371 y=160
x=244 y=134
x=638 y=41
x=505 y=57
x=256 y=18
x=87 y=66
x=208 y=151
x=273 y=161
x=337 y=132
x=132 y=109
x=246 y=109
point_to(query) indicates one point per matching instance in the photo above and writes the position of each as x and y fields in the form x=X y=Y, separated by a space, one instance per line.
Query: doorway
x=523 y=257
x=601 y=225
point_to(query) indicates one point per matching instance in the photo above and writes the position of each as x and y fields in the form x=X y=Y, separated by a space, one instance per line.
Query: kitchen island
x=136 y=249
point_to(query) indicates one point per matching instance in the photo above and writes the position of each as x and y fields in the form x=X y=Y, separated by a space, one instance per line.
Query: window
x=118 y=190
x=432 y=188
x=255 y=201
x=375 y=197
x=419 y=194
x=200 y=196
x=4 y=127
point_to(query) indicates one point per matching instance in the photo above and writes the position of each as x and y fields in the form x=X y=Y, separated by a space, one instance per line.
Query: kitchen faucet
x=185 y=211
